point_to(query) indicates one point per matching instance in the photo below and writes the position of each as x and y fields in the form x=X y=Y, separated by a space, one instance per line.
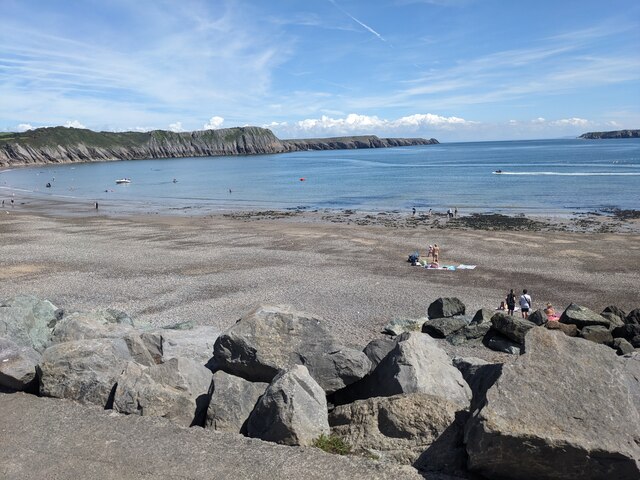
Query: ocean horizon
x=560 y=177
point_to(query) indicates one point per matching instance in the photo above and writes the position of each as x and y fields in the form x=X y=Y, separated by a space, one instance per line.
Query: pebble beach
x=350 y=268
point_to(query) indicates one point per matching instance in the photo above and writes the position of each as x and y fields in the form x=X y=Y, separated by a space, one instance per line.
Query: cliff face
x=612 y=134
x=68 y=145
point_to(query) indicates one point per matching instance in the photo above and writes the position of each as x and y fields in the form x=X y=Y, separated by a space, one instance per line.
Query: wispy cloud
x=362 y=24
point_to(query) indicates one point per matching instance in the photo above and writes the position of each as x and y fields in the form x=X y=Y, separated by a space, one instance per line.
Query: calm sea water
x=545 y=176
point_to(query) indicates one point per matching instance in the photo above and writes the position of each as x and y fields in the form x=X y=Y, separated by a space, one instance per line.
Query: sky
x=455 y=70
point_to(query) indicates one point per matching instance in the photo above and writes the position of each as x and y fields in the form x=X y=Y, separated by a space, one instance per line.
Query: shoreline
x=605 y=221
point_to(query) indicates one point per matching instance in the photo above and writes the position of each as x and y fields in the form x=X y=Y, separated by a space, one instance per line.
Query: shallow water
x=544 y=176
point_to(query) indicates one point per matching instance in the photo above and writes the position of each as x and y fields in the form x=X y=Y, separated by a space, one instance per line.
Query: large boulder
x=613 y=310
x=446 y=307
x=416 y=365
x=232 y=401
x=402 y=325
x=398 y=428
x=480 y=375
x=568 y=329
x=18 y=366
x=92 y=324
x=634 y=317
x=628 y=331
x=185 y=342
x=83 y=370
x=538 y=317
x=270 y=339
x=499 y=343
x=472 y=331
x=582 y=317
x=292 y=411
x=565 y=409
x=177 y=390
x=27 y=321
x=622 y=347
x=377 y=349
x=444 y=327
x=597 y=334
x=511 y=327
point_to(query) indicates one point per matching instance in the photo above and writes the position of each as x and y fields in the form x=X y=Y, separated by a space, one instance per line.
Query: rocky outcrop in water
x=612 y=134
x=70 y=145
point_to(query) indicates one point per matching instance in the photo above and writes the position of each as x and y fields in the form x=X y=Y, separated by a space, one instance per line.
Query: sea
x=547 y=177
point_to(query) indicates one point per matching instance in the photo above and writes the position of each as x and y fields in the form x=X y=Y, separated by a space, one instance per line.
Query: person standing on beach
x=525 y=303
x=96 y=205
x=414 y=211
x=511 y=302
x=455 y=212
x=436 y=253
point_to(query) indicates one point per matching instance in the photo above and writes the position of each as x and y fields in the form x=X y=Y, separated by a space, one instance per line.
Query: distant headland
x=71 y=145
x=612 y=134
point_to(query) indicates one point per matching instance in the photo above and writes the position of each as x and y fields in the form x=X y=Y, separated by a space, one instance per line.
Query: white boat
x=123 y=180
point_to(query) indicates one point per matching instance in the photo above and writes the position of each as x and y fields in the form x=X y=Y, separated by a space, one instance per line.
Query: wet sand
x=348 y=267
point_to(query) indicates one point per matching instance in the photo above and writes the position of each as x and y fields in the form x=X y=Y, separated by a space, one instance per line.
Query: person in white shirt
x=525 y=303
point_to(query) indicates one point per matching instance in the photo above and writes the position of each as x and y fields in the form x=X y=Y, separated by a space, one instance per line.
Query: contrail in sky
x=363 y=25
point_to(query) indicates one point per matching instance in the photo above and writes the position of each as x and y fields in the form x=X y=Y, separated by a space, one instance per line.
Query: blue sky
x=456 y=70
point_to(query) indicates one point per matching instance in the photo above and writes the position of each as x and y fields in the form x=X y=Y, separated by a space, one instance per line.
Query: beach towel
x=466 y=267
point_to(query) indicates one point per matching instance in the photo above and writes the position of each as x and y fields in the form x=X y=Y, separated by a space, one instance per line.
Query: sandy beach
x=347 y=267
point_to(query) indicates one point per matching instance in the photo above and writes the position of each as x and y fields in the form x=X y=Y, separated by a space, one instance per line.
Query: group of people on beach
x=525 y=302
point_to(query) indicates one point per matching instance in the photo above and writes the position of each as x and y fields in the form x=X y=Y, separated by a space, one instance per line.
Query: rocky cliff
x=69 y=145
x=612 y=134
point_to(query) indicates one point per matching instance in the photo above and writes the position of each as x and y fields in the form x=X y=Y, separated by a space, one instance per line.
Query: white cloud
x=74 y=124
x=575 y=122
x=23 y=127
x=214 y=123
x=176 y=127
x=355 y=124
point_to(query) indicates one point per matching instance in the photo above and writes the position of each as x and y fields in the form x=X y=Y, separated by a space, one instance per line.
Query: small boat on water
x=123 y=180
x=498 y=171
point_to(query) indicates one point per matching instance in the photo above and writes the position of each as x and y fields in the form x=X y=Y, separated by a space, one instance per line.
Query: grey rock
x=398 y=428
x=401 y=325
x=597 y=334
x=446 y=307
x=627 y=331
x=470 y=332
x=511 y=327
x=499 y=343
x=92 y=324
x=612 y=309
x=194 y=343
x=377 y=349
x=614 y=320
x=482 y=316
x=634 y=317
x=622 y=347
x=479 y=375
x=292 y=411
x=177 y=390
x=83 y=370
x=538 y=317
x=635 y=341
x=18 y=366
x=27 y=321
x=273 y=338
x=568 y=329
x=416 y=365
x=444 y=327
x=582 y=317
x=535 y=424
x=232 y=401
x=88 y=442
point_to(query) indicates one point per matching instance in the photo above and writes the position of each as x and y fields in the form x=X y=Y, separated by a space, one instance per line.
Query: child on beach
x=430 y=253
x=511 y=302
